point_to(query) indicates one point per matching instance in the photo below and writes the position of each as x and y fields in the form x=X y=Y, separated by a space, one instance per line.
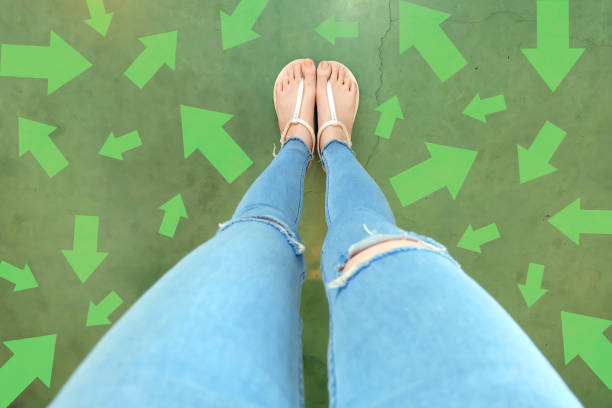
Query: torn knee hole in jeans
x=362 y=252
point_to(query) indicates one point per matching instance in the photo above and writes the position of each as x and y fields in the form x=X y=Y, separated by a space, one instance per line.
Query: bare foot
x=286 y=90
x=345 y=99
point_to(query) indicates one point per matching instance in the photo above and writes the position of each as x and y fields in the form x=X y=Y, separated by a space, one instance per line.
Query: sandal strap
x=334 y=119
x=297 y=119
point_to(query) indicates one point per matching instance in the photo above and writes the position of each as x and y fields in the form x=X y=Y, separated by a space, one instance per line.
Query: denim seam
x=332 y=369
x=301 y=195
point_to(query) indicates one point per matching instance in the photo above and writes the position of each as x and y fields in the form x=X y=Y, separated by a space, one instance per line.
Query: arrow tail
x=110 y=303
x=248 y=11
x=49 y=157
x=385 y=126
x=494 y=104
x=487 y=234
x=129 y=141
x=169 y=225
x=347 y=29
x=547 y=141
x=535 y=275
x=416 y=182
x=441 y=54
x=86 y=233
x=9 y=273
x=25 y=61
x=144 y=67
x=598 y=356
x=13 y=381
x=553 y=24
x=595 y=222
x=96 y=8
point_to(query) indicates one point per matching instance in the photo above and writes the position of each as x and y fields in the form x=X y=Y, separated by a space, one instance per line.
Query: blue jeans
x=222 y=328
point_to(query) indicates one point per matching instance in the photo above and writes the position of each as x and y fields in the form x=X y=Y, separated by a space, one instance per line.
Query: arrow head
x=392 y=108
x=100 y=23
x=163 y=46
x=235 y=31
x=475 y=109
x=195 y=122
x=568 y=221
x=32 y=134
x=327 y=30
x=35 y=355
x=175 y=206
x=531 y=293
x=532 y=165
x=96 y=316
x=553 y=64
x=416 y=22
x=580 y=332
x=111 y=148
x=26 y=280
x=65 y=63
x=452 y=165
x=84 y=263
x=469 y=240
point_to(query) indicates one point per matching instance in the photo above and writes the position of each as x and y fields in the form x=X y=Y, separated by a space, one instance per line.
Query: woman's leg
x=221 y=328
x=408 y=327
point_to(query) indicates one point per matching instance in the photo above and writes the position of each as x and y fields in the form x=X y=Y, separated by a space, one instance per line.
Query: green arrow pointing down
x=98 y=314
x=32 y=358
x=203 y=131
x=161 y=49
x=114 y=147
x=237 y=28
x=390 y=111
x=330 y=29
x=532 y=289
x=58 y=63
x=85 y=258
x=572 y=221
x=473 y=239
x=553 y=58
x=447 y=167
x=175 y=209
x=533 y=163
x=100 y=19
x=420 y=27
x=479 y=108
x=22 y=278
x=583 y=336
x=34 y=137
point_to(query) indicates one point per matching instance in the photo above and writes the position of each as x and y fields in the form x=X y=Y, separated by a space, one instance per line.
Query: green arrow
x=203 y=131
x=58 y=63
x=532 y=289
x=583 y=336
x=32 y=358
x=114 y=147
x=330 y=29
x=98 y=314
x=533 y=163
x=22 y=278
x=447 y=167
x=420 y=27
x=238 y=28
x=473 y=239
x=160 y=49
x=34 y=138
x=100 y=20
x=553 y=58
x=390 y=111
x=572 y=221
x=479 y=108
x=175 y=209
x=85 y=258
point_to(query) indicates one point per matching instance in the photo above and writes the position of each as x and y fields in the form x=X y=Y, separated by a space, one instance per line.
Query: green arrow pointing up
x=175 y=209
x=533 y=163
x=22 y=278
x=85 y=258
x=553 y=58
x=114 y=147
x=237 y=28
x=473 y=239
x=203 y=131
x=447 y=167
x=98 y=314
x=390 y=111
x=532 y=289
x=479 y=108
x=100 y=19
x=34 y=137
x=572 y=221
x=161 y=49
x=420 y=27
x=58 y=63
x=583 y=336
x=330 y=29
x=32 y=358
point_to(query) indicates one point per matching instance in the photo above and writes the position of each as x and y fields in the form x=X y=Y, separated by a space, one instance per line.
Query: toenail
x=324 y=64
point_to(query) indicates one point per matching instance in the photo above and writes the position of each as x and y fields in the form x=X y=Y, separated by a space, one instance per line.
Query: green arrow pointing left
x=58 y=63
x=100 y=19
x=175 y=209
x=331 y=29
x=114 y=147
x=553 y=58
x=34 y=137
x=480 y=108
x=32 y=358
x=390 y=111
x=161 y=49
x=85 y=258
x=22 y=278
x=420 y=27
x=473 y=239
x=583 y=336
x=238 y=28
x=98 y=314
x=532 y=289
x=572 y=221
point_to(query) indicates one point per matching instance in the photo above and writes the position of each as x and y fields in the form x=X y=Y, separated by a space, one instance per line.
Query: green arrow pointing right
x=480 y=108
x=22 y=278
x=85 y=258
x=390 y=111
x=532 y=289
x=98 y=314
x=473 y=239
x=32 y=358
x=331 y=29
x=100 y=19
x=34 y=137
x=161 y=49
x=237 y=28
x=114 y=147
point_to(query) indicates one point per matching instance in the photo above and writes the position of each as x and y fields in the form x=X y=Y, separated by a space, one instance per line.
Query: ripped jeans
x=222 y=328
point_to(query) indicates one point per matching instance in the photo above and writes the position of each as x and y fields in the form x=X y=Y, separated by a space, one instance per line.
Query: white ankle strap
x=334 y=119
x=297 y=119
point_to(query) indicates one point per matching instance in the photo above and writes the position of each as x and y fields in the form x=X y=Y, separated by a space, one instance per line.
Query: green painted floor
x=37 y=213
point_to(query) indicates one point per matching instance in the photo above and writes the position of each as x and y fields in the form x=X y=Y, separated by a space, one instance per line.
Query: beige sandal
x=296 y=114
x=334 y=118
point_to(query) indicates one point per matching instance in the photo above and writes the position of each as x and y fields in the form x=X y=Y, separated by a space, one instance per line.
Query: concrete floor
x=37 y=212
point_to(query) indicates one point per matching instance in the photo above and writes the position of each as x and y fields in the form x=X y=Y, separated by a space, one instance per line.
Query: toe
x=334 y=73
x=323 y=71
x=308 y=70
x=341 y=75
x=297 y=72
